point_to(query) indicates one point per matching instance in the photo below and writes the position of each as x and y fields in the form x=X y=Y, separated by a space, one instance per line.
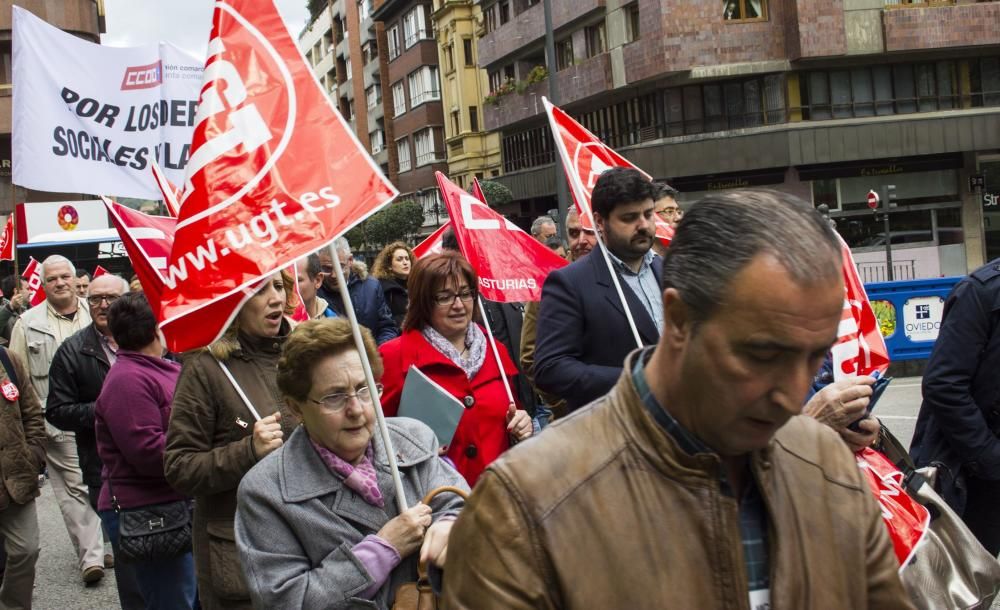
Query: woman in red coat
x=440 y=339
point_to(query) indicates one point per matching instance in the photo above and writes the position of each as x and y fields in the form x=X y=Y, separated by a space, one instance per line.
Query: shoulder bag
x=157 y=531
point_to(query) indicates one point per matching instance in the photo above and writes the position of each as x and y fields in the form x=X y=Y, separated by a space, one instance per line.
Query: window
x=369 y=52
x=496 y=79
x=423 y=142
x=347 y=69
x=737 y=10
x=415 y=26
x=470 y=59
x=364 y=9
x=403 y=154
x=597 y=39
x=449 y=59
x=632 y=22
x=374 y=95
x=377 y=139
x=473 y=118
x=398 y=99
x=564 y=53
x=985 y=81
x=424 y=85
x=392 y=37
x=456 y=122
x=503 y=10
x=490 y=19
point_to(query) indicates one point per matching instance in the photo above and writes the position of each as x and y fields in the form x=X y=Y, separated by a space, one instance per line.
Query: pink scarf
x=361 y=478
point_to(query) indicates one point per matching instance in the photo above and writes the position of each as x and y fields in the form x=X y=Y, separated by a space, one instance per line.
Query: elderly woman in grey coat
x=317 y=524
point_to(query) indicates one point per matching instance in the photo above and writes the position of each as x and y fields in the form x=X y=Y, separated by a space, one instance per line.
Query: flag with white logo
x=860 y=348
x=7 y=240
x=36 y=284
x=275 y=172
x=511 y=264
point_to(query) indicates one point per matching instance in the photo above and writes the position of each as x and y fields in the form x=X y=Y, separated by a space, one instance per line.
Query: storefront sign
x=879 y=167
x=991 y=201
x=922 y=318
x=736 y=180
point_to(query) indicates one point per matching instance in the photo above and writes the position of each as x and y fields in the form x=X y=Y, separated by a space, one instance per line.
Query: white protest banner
x=90 y=119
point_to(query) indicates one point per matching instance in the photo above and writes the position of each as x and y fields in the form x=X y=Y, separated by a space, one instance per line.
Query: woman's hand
x=518 y=424
x=267 y=435
x=435 y=547
x=405 y=531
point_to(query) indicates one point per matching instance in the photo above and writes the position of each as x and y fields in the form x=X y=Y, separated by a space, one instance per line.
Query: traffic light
x=890 y=196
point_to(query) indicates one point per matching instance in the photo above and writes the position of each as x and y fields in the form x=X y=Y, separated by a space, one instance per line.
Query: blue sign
x=914 y=308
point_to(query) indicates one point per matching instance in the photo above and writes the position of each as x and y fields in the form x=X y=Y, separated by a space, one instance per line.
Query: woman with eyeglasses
x=317 y=524
x=214 y=439
x=440 y=338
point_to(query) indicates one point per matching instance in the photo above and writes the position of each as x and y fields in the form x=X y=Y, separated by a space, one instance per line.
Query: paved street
x=58 y=585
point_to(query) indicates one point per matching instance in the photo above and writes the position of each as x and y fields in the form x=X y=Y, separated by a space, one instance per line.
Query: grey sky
x=185 y=23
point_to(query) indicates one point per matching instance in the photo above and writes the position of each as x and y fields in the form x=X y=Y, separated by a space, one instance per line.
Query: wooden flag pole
x=496 y=352
x=345 y=296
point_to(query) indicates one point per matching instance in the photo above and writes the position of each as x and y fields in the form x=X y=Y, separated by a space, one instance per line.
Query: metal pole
x=390 y=453
x=562 y=194
x=496 y=352
x=888 y=234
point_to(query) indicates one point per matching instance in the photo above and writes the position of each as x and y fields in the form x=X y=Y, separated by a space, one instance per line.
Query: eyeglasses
x=334 y=403
x=669 y=211
x=445 y=299
x=96 y=299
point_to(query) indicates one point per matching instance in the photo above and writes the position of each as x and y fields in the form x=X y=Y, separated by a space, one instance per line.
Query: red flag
x=300 y=314
x=36 y=285
x=477 y=190
x=99 y=271
x=171 y=193
x=584 y=157
x=906 y=519
x=860 y=348
x=7 y=240
x=261 y=188
x=512 y=265
x=431 y=245
x=664 y=232
x=148 y=240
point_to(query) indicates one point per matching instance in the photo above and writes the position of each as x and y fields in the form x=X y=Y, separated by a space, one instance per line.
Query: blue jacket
x=959 y=419
x=369 y=304
x=583 y=334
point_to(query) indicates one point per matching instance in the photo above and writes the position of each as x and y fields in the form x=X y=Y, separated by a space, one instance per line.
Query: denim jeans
x=166 y=584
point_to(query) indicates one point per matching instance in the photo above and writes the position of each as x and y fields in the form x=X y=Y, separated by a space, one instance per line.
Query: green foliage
x=496 y=194
x=399 y=221
x=537 y=75
x=315 y=6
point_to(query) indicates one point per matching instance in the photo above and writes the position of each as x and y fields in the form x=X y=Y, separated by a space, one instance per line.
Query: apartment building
x=472 y=151
x=826 y=100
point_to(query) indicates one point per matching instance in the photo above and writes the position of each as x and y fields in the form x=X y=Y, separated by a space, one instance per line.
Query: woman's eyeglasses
x=445 y=299
x=335 y=403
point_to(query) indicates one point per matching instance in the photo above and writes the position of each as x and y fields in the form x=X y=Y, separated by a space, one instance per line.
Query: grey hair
x=538 y=223
x=722 y=233
x=125 y=286
x=57 y=258
x=342 y=245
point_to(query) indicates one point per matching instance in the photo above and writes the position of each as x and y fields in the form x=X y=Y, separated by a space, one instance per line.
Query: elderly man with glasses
x=75 y=378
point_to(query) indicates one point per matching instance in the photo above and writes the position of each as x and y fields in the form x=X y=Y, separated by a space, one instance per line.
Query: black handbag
x=158 y=531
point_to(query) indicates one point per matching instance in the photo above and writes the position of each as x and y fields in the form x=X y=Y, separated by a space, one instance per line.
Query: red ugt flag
x=7 y=240
x=274 y=173
x=431 y=245
x=148 y=241
x=860 y=348
x=585 y=158
x=512 y=265
x=36 y=289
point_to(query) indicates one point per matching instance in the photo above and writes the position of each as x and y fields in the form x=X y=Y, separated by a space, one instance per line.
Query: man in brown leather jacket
x=692 y=484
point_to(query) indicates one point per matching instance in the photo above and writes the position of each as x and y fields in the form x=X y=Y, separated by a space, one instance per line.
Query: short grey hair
x=342 y=245
x=125 y=285
x=538 y=223
x=57 y=258
x=748 y=222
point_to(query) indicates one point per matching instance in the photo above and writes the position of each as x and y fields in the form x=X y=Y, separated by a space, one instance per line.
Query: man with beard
x=583 y=335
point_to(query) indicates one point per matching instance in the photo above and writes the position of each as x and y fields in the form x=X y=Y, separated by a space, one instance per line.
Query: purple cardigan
x=131 y=417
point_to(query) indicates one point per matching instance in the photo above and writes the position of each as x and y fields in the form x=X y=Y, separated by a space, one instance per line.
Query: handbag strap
x=422 y=582
x=8 y=366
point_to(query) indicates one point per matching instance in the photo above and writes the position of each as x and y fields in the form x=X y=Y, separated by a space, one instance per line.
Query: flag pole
x=345 y=296
x=582 y=202
x=496 y=352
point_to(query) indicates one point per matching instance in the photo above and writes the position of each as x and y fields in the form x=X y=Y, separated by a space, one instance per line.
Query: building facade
x=824 y=100
x=472 y=152
x=84 y=18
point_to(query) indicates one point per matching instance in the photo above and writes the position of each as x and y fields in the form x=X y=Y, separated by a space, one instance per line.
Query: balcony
x=586 y=79
x=939 y=24
x=528 y=27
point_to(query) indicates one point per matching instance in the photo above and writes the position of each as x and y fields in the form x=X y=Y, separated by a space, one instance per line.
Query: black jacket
x=506 y=320
x=583 y=334
x=397 y=299
x=369 y=304
x=959 y=419
x=75 y=379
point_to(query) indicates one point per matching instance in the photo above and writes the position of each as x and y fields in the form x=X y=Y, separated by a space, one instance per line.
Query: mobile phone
x=878 y=388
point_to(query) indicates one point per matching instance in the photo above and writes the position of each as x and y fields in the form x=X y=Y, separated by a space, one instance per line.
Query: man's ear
x=599 y=223
x=677 y=321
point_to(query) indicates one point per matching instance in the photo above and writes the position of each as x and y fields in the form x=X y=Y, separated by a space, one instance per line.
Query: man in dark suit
x=583 y=334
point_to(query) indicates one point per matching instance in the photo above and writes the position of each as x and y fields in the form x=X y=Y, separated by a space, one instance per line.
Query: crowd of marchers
x=699 y=456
